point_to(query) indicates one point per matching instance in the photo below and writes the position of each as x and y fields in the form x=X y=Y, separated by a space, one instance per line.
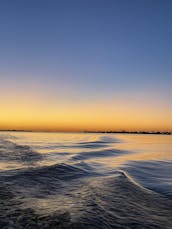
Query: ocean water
x=70 y=180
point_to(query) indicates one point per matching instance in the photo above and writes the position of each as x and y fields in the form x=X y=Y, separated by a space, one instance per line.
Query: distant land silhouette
x=131 y=132
x=106 y=132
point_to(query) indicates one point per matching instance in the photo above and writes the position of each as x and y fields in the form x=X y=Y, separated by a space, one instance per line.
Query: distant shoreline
x=96 y=132
x=131 y=132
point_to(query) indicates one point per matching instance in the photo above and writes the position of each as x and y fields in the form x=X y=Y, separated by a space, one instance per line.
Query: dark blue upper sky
x=104 y=47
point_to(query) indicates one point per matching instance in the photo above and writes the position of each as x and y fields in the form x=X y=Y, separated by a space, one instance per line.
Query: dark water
x=85 y=181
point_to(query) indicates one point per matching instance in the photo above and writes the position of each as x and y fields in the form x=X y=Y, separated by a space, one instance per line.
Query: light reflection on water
x=72 y=173
x=133 y=147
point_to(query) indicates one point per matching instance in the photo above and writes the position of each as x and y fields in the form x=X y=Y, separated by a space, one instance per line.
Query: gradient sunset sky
x=86 y=64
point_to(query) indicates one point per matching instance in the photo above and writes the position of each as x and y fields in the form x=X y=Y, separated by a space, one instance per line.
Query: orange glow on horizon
x=33 y=111
x=80 y=117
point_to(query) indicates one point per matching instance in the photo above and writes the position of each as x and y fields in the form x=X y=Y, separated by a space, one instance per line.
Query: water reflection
x=81 y=180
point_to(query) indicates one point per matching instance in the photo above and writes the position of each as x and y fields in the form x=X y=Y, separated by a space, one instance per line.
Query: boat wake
x=75 y=194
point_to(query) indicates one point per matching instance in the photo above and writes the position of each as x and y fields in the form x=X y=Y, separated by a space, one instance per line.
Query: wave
x=155 y=175
x=90 y=143
x=42 y=180
x=115 y=201
x=10 y=151
x=75 y=189
x=99 y=154
x=102 y=141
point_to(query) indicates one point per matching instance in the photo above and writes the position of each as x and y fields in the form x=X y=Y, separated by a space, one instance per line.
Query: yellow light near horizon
x=33 y=114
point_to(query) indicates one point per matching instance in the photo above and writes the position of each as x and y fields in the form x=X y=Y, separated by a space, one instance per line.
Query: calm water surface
x=56 y=180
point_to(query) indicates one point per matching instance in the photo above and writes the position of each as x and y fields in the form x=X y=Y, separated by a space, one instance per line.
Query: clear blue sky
x=89 y=49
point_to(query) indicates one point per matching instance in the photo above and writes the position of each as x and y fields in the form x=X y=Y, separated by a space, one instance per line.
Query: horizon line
x=90 y=131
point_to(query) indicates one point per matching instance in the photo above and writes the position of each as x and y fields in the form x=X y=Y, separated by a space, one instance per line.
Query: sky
x=86 y=65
